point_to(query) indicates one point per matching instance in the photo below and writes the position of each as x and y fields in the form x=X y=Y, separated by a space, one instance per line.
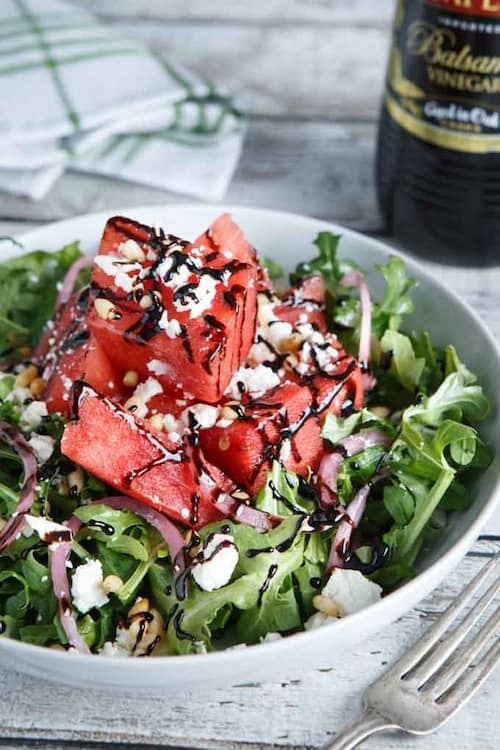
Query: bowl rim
x=378 y=609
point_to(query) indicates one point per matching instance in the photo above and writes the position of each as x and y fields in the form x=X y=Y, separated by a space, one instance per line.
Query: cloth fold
x=77 y=95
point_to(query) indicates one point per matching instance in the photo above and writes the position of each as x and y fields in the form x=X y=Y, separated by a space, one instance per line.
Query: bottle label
x=443 y=81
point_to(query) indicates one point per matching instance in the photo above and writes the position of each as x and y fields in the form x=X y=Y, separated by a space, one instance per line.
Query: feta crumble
x=45 y=528
x=118 y=271
x=148 y=389
x=172 y=327
x=349 y=591
x=43 y=447
x=214 y=566
x=203 y=415
x=87 y=588
x=252 y=380
x=157 y=367
x=32 y=415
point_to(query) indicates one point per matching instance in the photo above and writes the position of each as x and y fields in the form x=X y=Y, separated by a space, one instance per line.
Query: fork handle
x=368 y=723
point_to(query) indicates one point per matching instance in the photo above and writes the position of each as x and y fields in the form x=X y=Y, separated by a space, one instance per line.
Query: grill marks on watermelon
x=127 y=455
x=190 y=306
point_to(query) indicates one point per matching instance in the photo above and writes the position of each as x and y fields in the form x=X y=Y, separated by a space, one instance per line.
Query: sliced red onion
x=59 y=556
x=13 y=527
x=259 y=519
x=69 y=280
x=342 y=538
x=327 y=476
x=169 y=531
x=352 y=517
x=354 y=278
x=360 y=441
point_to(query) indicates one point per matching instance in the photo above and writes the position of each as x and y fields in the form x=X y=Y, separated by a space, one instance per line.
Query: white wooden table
x=310 y=76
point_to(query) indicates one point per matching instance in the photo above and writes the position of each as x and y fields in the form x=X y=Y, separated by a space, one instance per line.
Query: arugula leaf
x=336 y=429
x=326 y=263
x=28 y=292
x=274 y=269
x=405 y=366
x=284 y=493
x=388 y=314
x=260 y=593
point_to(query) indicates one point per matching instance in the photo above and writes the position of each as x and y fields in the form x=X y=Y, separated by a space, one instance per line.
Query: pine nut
x=156 y=422
x=132 y=251
x=146 y=302
x=25 y=351
x=292 y=343
x=224 y=443
x=140 y=605
x=37 y=387
x=111 y=584
x=27 y=376
x=228 y=413
x=105 y=309
x=75 y=481
x=131 y=378
x=137 y=406
x=326 y=606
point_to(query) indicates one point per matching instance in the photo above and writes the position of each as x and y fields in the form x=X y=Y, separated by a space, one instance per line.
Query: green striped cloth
x=75 y=94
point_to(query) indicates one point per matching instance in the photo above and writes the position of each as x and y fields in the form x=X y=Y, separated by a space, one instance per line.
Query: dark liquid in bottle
x=438 y=154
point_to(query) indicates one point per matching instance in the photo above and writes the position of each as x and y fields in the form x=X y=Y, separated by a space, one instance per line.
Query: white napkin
x=76 y=95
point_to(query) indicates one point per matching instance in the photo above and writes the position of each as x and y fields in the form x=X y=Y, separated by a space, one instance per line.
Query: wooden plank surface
x=356 y=12
x=310 y=74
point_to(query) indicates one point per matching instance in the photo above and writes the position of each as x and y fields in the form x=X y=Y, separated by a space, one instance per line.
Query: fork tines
x=436 y=666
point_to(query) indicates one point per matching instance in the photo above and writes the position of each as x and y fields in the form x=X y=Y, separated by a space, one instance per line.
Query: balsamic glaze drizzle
x=106 y=528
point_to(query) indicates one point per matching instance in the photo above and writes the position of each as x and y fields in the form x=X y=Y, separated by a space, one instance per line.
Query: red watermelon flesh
x=68 y=352
x=304 y=302
x=189 y=307
x=127 y=455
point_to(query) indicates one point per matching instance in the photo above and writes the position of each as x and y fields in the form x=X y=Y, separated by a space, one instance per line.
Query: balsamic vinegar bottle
x=438 y=151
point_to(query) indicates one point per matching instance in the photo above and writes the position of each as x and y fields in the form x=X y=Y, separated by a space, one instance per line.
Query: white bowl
x=287 y=238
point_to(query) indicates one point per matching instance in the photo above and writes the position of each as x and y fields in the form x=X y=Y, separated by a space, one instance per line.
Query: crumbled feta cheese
x=86 y=586
x=48 y=531
x=43 y=447
x=32 y=415
x=157 y=367
x=277 y=333
x=199 y=298
x=285 y=450
x=203 y=415
x=260 y=353
x=118 y=271
x=271 y=638
x=148 y=389
x=114 y=650
x=172 y=327
x=350 y=591
x=214 y=566
x=252 y=380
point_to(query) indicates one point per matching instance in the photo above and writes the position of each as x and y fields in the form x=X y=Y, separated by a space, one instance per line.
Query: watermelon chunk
x=185 y=311
x=284 y=423
x=304 y=302
x=127 y=455
x=69 y=352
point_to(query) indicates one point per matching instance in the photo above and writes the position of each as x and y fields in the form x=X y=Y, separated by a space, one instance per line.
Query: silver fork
x=429 y=683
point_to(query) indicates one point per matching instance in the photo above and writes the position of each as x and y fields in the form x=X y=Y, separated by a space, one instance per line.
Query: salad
x=199 y=455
